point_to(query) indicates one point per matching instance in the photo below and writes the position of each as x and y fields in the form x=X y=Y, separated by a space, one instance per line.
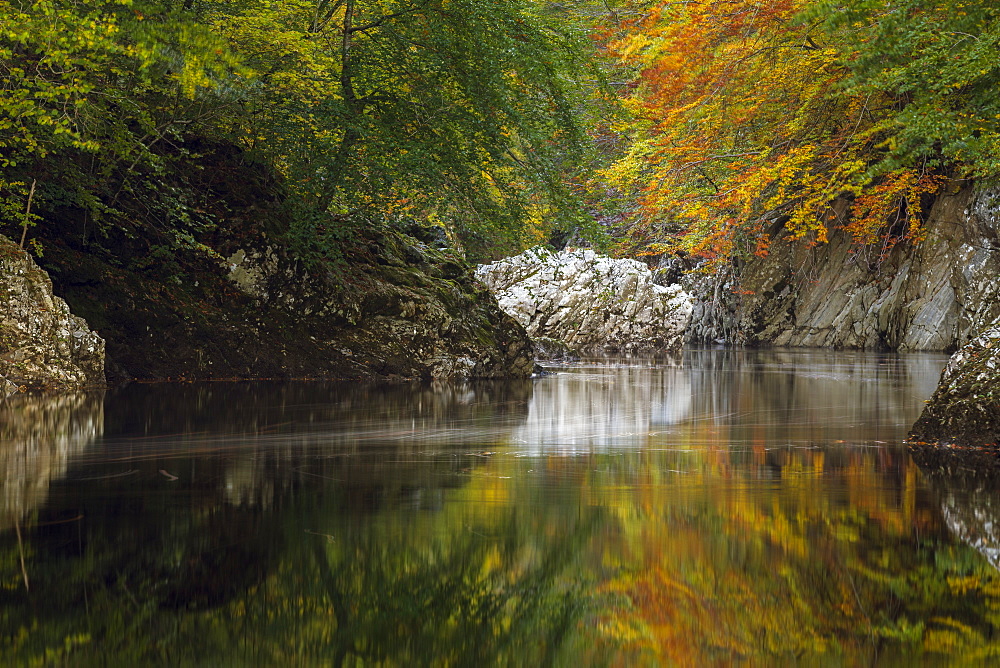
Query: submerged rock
x=964 y=410
x=588 y=301
x=42 y=344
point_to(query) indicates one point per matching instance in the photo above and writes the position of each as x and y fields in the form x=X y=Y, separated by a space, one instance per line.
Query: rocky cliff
x=934 y=295
x=589 y=302
x=211 y=269
x=395 y=307
x=42 y=344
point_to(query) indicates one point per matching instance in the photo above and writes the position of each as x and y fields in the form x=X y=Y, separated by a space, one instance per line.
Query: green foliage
x=93 y=93
x=462 y=110
x=71 y=70
x=940 y=63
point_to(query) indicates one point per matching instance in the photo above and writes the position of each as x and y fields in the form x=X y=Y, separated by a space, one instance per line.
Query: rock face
x=397 y=306
x=251 y=282
x=965 y=408
x=416 y=311
x=934 y=295
x=42 y=344
x=589 y=302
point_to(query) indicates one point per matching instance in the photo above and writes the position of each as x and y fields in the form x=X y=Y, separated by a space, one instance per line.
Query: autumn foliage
x=752 y=117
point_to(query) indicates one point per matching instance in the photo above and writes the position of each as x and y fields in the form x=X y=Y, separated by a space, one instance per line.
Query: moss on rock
x=960 y=426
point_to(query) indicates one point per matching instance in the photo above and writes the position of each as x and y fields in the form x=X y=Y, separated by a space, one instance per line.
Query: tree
x=753 y=116
x=457 y=110
x=106 y=79
x=938 y=63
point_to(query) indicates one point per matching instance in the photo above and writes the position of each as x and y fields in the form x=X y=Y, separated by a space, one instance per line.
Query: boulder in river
x=961 y=423
x=590 y=302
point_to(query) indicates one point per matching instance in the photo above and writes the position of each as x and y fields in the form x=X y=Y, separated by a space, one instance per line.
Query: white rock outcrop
x=589 y=301
x=42 y=344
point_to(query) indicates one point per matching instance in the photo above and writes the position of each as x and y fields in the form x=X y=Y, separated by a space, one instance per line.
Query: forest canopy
x=466 y=112
x=748 y=113
x=708 y=127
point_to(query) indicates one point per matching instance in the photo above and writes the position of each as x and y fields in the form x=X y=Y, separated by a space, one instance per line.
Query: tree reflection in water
x=728 y=506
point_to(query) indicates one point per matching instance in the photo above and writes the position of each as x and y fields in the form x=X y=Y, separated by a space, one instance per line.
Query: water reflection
x=38 y=437
x=726 y=506
x=973 y=515
x=217 y=416
x=604 y=404
x=968 y=487
x=729 y=397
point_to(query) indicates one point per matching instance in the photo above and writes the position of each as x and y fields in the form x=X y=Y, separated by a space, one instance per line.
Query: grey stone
x=932 y=295
x=588 y=301
x=965 y=408
x=42 y=344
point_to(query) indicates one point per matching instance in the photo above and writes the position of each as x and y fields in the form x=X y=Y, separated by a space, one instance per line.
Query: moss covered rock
x=210 y=269
x=960 y=426
x=395 y=308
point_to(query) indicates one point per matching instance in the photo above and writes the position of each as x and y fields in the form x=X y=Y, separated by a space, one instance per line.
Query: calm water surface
x=716 y=507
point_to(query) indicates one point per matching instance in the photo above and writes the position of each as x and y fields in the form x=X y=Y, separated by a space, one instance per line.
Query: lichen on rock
x=588 y=301
x=964 y=411
x=42 y=344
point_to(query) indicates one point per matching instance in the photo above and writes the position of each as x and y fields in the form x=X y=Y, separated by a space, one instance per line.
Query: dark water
x=725 y=506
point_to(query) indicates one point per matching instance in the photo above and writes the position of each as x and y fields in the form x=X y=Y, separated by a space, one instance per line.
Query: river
x=706 y=508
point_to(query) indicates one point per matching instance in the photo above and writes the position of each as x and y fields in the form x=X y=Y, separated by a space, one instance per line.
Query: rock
x=553 y=350
x=933 y=295
x=42 y=344
x=588 y=301
x=964 y=410
x=422 y=315
x=395 y=307
x=249 y=281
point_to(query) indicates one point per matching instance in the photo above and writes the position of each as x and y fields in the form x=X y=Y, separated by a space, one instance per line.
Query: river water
x=713 y=507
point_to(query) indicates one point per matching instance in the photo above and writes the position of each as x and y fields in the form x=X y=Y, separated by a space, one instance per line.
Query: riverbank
x=252 y=286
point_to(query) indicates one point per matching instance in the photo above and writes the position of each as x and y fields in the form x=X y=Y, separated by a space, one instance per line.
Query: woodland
x=646 y=126
x=139 y=135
